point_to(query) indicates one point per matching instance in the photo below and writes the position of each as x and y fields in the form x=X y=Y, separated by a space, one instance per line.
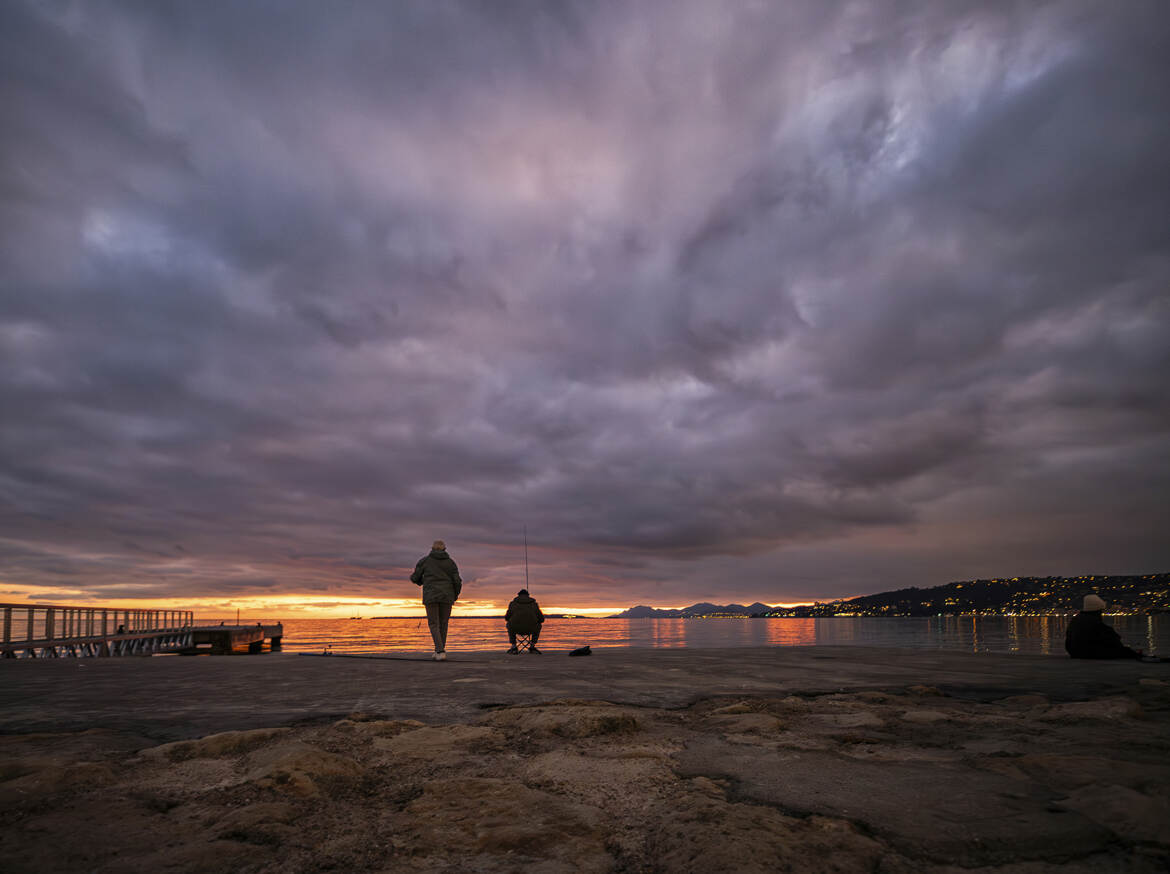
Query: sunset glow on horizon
x=306 y=607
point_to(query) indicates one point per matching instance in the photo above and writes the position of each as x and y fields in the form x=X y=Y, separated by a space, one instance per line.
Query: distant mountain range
x=1014 y=596
x=692 y=612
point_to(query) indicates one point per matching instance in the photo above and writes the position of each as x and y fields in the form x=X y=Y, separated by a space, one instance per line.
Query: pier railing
x=50 y=630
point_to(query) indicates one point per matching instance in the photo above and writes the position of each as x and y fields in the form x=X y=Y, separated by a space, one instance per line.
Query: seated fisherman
x=523 y=617
x=1088 y=637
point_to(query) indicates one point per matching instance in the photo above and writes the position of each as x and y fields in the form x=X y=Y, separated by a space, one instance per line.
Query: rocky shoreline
x=905 y=778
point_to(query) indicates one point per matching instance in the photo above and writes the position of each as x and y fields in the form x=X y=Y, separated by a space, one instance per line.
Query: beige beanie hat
x=438 y=544
x=1092 y=604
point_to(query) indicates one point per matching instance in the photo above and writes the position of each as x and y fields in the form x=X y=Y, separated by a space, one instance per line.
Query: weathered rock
x=569 y=719
x=294 y=767
x=440 y=740
x=213 y=746
x=924 y=691
x=796 y=740
x=880 y=752
x=924 y=717
x=76 y=746
x=1023 y=702
x=10 y=769
x=264 y=823
x=1096 y=863
x=661 y=750
x=711 y=788
x=206 y=857
x=377 y=727
x=922 y=810
x=1102 y=708
x=861 y=718
x=703 y=834
x=259 y=813
x=791 y=703
x=603 y=781
x=505 y=818
x=740 y=707
x=995 y=746
x=747 y=723
x=1131 y=814
x=1065 y=773
x=54 y=779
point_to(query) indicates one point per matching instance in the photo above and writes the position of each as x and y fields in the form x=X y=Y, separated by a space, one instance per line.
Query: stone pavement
x=172 y=697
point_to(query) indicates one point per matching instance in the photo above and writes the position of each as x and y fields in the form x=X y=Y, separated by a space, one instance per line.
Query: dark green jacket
x=523 y=615
x=439 y=577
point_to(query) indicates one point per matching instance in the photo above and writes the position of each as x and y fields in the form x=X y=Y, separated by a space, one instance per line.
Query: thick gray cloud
x=729 y=301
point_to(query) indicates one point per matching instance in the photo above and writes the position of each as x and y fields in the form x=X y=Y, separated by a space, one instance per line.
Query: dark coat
x=438 y=575
x=523 y=616
x=1088 y=637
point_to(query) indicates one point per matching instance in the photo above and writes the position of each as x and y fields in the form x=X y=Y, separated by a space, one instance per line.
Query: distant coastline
x=1015 y=596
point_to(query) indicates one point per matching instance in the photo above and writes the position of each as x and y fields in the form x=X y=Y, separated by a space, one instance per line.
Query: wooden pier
x=50 y=631
x=223 y=639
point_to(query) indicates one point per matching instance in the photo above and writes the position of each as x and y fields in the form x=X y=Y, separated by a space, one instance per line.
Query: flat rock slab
x=965 y=817
x=173 y=698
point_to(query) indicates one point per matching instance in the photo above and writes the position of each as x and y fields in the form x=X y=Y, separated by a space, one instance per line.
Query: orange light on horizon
x=297 y=606
x=308 y=606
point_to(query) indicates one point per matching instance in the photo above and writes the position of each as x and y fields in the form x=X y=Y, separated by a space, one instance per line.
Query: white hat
x=1092 y=604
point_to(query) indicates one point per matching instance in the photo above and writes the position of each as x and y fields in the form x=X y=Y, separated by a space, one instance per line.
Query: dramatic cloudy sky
x=722 y=300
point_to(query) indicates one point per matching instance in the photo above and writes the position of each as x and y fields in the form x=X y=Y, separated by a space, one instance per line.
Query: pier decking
x=223 y=639
x=51 y=631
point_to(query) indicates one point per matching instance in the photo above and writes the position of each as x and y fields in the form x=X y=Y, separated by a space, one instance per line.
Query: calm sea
x=1043 y=635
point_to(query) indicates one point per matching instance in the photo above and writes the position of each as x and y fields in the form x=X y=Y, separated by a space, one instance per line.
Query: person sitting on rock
x=523 y=617
x=1088 y=637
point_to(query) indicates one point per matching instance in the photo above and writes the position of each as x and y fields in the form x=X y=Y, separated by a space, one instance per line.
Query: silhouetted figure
x=439 y=577
x=523 y=617
x=1088 y=637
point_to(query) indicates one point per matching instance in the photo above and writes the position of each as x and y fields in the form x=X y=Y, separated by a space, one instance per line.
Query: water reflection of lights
x=1046 y=623
x=799 y=632
x=1036 y=635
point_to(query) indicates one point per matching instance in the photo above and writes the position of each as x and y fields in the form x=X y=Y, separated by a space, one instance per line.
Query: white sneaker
x=440 y=657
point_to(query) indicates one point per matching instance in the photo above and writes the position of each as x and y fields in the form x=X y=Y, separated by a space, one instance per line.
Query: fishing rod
x=526 y=561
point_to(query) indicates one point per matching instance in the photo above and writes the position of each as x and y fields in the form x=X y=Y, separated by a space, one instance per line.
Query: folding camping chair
x=523 y=642
x=523 y=632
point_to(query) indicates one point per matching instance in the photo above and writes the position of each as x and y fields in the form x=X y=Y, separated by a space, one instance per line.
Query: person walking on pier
x=438 y=575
